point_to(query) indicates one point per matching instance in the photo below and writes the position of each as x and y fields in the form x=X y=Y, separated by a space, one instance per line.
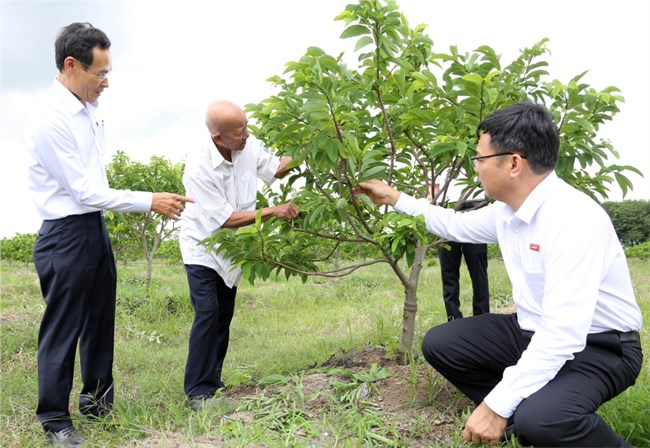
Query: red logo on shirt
x=534 y=247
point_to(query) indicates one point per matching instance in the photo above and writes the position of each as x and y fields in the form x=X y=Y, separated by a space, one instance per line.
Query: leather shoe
x=68 y=437
x=202 y=401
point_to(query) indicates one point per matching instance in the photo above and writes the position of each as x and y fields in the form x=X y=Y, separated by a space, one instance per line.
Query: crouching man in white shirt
x=573 y=343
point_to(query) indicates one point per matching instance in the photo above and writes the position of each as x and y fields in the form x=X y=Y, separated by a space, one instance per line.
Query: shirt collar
x=69 y=100
x=217 y=158
x=536 y=198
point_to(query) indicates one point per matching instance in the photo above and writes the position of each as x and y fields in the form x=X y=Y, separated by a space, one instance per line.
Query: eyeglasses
x=477 y=158
x=102 y=76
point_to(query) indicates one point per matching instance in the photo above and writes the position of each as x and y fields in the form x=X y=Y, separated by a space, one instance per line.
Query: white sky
x=170 y=59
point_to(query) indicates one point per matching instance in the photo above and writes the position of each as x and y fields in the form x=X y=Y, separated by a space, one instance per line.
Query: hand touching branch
x=379 y=192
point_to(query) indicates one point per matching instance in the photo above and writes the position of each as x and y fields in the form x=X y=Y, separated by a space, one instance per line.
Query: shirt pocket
x=100 y=139
x=533 y=267
x=246 y=191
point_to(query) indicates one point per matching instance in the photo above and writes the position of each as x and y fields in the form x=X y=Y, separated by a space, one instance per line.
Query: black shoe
x=94 y=412
x=92 y=408
x=202 y=401
x=66 y=437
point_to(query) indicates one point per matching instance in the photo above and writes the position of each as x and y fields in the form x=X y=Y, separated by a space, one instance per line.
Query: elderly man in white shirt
x=222 y=176
x=573 y=343
x=72 y=254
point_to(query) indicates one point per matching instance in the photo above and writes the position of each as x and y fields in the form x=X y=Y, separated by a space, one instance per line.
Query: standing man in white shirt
x=222 y=176
x=573 y=343
x=72 y=254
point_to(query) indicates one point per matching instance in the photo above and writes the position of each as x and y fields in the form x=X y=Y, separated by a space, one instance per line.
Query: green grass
x=280 y=328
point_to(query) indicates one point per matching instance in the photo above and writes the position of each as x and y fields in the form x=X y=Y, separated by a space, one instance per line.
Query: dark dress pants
x=472 y=354
x=75 y=266
x=477 y=262
x=214 y=306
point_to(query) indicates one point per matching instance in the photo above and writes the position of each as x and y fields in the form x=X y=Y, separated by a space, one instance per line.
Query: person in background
x=72 y=253
x=573 y=343
x=450 y=256
x=222 y=175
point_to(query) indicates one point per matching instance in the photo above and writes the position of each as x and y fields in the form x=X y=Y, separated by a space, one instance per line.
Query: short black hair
x=78 y=40
x=526 y=128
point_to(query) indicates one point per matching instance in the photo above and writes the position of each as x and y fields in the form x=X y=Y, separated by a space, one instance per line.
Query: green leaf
x=354 y=30
x=473 y=78
x=364 y=41
x=258 y=218
x=373 y=172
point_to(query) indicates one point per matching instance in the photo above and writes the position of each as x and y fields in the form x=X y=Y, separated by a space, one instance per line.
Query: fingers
x=169 y=205
x=477 y=438
x=185 y=199
x=292 y=211
x=288 y=211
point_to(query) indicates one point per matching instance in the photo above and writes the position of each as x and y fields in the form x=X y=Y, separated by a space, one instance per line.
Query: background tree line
x=631 y=219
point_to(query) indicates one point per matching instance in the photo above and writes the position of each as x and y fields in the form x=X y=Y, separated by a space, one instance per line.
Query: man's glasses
x=477 y=158
x=102 y=76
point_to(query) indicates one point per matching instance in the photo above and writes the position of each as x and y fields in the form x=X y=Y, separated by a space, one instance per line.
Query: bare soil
x=416 y=400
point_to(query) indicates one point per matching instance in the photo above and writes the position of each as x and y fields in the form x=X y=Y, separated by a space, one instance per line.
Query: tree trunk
x=337 y=257
x=408 y=324
x=149 y=269
x=404 y=350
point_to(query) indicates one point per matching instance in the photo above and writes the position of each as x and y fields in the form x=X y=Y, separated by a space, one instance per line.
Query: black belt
x=630 y=336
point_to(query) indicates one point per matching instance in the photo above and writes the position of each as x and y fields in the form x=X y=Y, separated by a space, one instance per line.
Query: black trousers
x=214 y=306
x=477 y=262
x=472 y=354
x=75 y=266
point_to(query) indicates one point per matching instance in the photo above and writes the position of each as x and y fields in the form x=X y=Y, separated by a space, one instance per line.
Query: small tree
x=407 y=115
x=124 y=240
x=149 y=229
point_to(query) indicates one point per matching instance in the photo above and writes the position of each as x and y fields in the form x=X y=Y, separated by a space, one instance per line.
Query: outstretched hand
x=169 y=205
x=379 y=192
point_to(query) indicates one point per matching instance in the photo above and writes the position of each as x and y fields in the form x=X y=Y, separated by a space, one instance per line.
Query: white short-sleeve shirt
x=220 y=188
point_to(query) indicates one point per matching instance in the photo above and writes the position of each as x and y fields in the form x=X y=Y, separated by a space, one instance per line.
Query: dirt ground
x=420 y=403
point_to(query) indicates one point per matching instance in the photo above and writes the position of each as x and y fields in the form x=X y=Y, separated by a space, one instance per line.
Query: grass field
x=280 y=328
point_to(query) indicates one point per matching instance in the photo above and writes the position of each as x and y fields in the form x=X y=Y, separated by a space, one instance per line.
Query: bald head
x=223 y=116
x=228 y=127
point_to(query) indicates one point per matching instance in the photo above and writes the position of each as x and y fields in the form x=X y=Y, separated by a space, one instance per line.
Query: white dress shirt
x=220 y=188
x=568 y=272
x=66 y=173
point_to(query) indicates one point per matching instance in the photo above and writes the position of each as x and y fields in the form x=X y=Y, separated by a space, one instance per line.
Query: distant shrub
x=641 y=251
x=169 y=251
x=631 y=220
x=19 y=248
x=494 y=251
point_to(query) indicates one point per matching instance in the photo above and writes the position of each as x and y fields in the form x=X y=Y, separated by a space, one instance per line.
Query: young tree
x=148 y=229
x=408 y=115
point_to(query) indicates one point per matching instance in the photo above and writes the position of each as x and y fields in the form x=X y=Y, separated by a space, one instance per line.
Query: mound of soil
x=415 y=399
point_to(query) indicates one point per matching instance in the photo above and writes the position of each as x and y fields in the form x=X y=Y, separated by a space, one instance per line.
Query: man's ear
x=516 y=165
x=69 y=64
